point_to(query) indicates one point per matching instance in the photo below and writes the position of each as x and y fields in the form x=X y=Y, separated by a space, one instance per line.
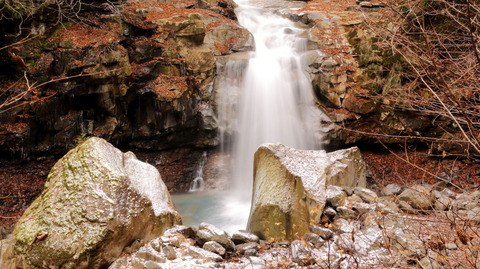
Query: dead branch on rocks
x=24 y=92
x=439 y=42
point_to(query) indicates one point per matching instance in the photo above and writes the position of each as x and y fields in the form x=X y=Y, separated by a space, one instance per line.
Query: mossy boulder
x=289 y=187
x=97 y=200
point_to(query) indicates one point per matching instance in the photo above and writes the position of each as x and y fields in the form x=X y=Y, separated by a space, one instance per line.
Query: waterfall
x=262 y=96
x=270 y=100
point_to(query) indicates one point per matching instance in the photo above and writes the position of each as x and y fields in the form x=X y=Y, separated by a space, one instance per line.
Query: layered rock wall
x=138 y=76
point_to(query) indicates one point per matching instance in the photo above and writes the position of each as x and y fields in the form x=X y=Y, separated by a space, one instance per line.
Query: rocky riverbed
x=422 y=225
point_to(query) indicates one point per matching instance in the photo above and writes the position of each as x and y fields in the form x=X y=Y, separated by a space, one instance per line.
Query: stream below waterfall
x=264 y=96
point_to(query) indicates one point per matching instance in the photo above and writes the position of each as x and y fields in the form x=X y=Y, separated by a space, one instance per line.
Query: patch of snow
x=146 y=179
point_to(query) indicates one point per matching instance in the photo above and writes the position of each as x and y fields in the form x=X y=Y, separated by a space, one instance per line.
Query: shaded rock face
x=290 y=187
x=358 y=80
x=147 y=74
x=97 y=200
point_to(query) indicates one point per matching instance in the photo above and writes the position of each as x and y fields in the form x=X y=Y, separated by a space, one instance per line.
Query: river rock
x=387 y=207
x=442 y=201
x=169 y=252
x=199 y=253
x=335 y=196
x=290 y=184
x=96 y=201
x=247 y=247
x=418 y=197
x=409 y=245
x=466 y=200
x=239 y=237
x=208 y=232
x=345 y=212
x=253 y=263
x=301 y=253
x=392 y=189
x=367 y=195
x=214 y=247
x=325 y=233
x=314 y=239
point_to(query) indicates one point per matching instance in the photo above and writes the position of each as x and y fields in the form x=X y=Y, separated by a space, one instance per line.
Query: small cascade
x=197 y=183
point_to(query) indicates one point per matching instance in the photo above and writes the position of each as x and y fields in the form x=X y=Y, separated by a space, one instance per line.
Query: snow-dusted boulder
x=290 y=184
x=96 y=201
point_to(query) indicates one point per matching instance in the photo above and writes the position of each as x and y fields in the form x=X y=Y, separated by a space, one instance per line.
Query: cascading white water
x=262 y=96
x=275 y=102
x=197 y=183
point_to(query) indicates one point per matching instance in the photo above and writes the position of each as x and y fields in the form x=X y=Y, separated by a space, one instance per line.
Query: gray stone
x=406 y=207
x=361 y=208
x=442 y=202
x=392 y=222
x=169 y=252
x=301 y=253
x=446 y=192
x=345 y=212
x=156 y=244
x=369 y=220
x=335 y=196
x=136 y=245
x=325 y=233
x=253 y=263
x=392 y=189
x=349 y=190
x=214 y=247
x=451 y=246
x=152 y=265
x=329 y=63
x=199 y=253
x=344 y=226
x=429 y=263
x=174 y=239
x=367 y=195
x=290 y=184
x=406 y=244
x=315 y=240
x=186 y=231
x=150 y=256
x=387 y=207
x=330 y=212
x=470 y=214
x=119 y=263
x=466 y=200
x=251 y=252
x=239 y=237
x=208 y=232
x=418 y=197
x=99 y=200
x=242 y=248
x=354 y=199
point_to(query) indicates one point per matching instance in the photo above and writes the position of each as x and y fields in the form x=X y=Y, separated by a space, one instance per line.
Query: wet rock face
x=290 y=187
x=97 y=200
x=147 y=71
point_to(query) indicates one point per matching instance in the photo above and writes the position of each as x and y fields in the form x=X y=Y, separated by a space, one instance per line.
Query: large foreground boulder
x=96 y=201
x=290 y=185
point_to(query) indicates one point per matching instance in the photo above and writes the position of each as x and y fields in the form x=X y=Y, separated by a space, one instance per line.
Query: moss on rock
x=93 y=205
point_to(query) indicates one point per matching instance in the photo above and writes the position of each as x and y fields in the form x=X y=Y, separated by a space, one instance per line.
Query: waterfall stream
x=264 y=96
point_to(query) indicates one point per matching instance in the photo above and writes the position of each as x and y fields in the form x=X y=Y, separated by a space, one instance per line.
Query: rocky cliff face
x=358 y=79
x=138 y=75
